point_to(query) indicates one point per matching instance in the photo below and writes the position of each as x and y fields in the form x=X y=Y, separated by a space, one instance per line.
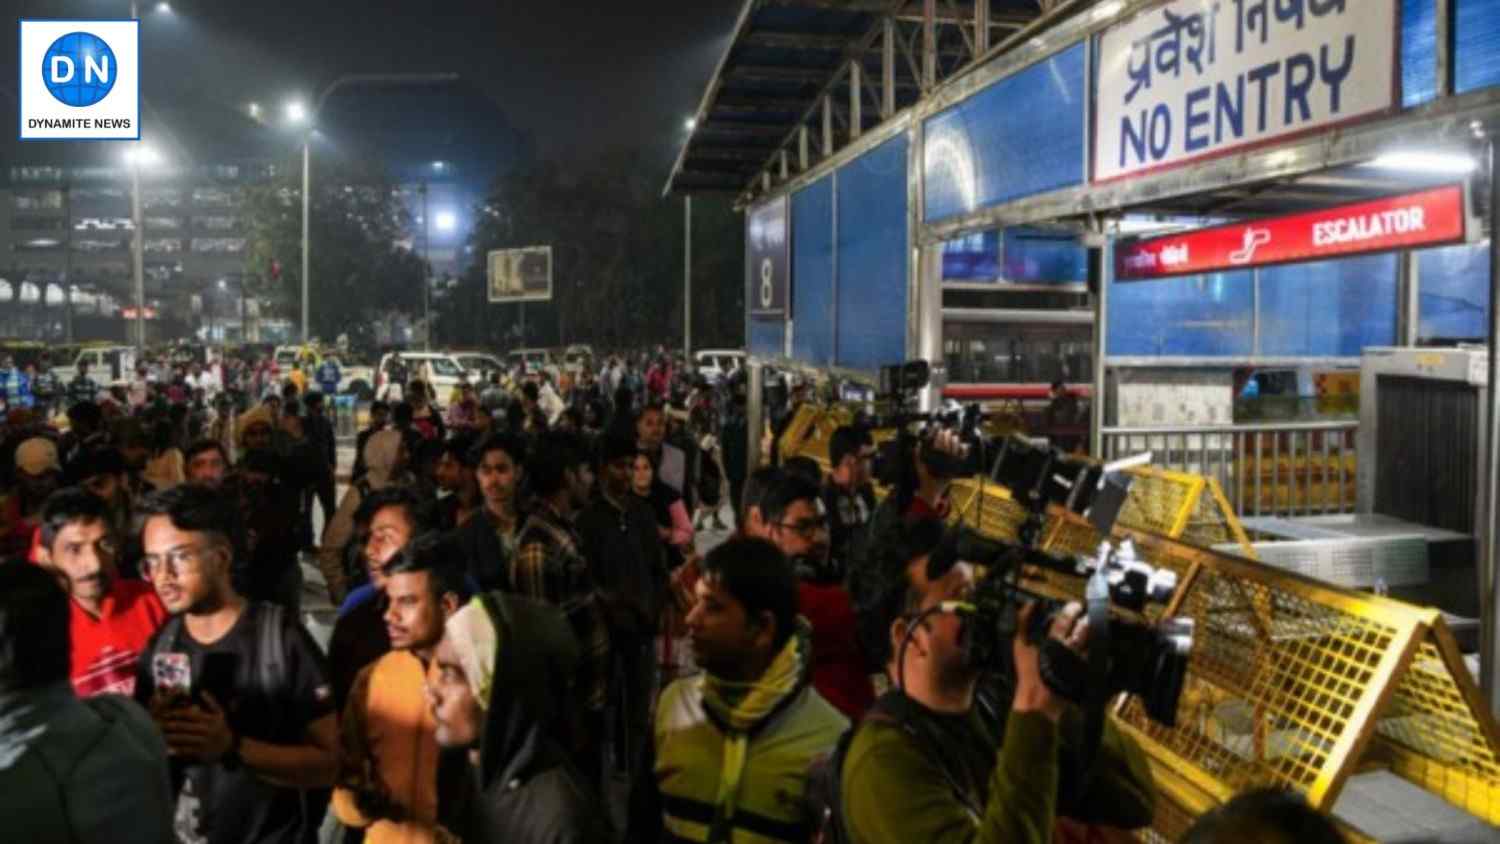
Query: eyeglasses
x=178 y=561
x=807 y=528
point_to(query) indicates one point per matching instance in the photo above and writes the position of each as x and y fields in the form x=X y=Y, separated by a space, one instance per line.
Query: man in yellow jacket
x=388 y=760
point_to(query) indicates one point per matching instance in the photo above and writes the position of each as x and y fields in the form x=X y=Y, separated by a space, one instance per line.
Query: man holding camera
x=931 y=762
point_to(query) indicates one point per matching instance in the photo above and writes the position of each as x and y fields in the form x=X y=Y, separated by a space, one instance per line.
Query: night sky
x=581 y=76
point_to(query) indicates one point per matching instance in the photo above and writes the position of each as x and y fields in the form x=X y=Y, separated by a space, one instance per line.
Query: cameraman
x=918 y=469
x=928 y=764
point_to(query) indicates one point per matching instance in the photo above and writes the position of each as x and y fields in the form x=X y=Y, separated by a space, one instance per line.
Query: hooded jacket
x=381 y=452
x=525 y=790
x=81 y=771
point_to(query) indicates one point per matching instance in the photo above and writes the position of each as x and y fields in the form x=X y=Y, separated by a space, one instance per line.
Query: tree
x=617 y=261
x=362 y=266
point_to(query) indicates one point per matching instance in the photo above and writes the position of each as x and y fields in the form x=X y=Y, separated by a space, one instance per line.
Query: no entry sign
x=1428 y=218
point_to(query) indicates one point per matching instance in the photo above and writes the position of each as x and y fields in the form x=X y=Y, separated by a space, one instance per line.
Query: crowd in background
x=529 y=644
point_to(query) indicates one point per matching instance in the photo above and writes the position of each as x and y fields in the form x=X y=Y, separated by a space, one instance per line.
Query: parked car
x=439 y=369
x=479 y=365
x=533 y=361
x=108 y=365
x=576 y=357
x=716 y=364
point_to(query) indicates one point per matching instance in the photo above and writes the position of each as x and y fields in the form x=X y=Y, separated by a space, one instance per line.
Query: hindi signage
x=1190 y=79
x=1428 y=218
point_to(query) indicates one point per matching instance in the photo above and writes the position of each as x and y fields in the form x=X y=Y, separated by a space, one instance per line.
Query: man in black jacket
x=488 y=539
x=499 y=689
x=320 y=434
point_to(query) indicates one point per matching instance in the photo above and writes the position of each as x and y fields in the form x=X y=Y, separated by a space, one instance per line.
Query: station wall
x=848 y=267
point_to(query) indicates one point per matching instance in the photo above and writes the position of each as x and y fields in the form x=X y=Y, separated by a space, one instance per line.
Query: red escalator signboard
x=1428 y=218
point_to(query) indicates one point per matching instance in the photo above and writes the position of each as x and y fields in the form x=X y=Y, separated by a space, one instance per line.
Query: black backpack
x=270 y=645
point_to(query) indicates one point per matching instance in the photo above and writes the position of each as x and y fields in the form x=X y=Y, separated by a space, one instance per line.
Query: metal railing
x=1290 y=469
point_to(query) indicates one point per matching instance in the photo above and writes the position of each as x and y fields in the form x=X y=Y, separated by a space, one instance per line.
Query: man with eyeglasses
x=110 y=620
x=238 y=689
x=794 y=519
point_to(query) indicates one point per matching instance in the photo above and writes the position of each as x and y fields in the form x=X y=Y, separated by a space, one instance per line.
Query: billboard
x=768 y=257
x=520 y=275
x=1192 y=79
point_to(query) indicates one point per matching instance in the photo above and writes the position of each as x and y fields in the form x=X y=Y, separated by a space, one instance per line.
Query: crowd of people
x=530 y=645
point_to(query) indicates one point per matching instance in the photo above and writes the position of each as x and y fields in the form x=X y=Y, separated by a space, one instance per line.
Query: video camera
x=898 y=386
x=1147 y=661
x=1125 y=656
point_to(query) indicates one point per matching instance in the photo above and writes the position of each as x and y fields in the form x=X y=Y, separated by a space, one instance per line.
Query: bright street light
x=438 y=166
x=142 y=156
x=296 y=112
x=164 y=7
x=254 y=109
x=691 y=123
x=222 y=285
x=446 y=221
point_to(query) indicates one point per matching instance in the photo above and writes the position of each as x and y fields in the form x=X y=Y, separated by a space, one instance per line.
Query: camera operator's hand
x=949 y=442
x=1032 y=694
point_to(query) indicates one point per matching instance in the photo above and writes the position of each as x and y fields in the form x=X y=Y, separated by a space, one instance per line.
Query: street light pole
x=312 y=122
x=426 y=274
x=306 y=241
x=138 y=255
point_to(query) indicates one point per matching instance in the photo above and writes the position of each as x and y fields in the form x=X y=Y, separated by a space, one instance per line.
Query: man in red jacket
x=110 y=619
x=793 y=518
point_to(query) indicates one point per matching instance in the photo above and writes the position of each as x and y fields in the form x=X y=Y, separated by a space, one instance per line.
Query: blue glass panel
x=767 y=338
x=1455 y=292
x=975 y=257
x=812 y=273
x=1418 y=52
x=1020 y=136
x=1033 y=256
x=872 y=257
x=1333 y=308
x=1476 y=49
x=1197 y=316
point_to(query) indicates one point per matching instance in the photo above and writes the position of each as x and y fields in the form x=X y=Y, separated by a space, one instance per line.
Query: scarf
x=475 y=637
x=740 y=708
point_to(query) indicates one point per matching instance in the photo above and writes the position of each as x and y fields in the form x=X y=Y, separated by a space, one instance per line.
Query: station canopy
x=786 y=55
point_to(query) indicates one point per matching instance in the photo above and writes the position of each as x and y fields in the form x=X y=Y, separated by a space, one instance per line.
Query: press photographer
x=934 y=761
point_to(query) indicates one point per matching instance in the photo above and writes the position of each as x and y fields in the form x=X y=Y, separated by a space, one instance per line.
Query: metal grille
x=1430 y=737
x=1427 y=436
x=1160 y=501
x=1292 y=673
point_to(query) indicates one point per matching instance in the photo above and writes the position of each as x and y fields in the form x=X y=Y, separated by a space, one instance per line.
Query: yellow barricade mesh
x=1429 y=735
x=1291 y=682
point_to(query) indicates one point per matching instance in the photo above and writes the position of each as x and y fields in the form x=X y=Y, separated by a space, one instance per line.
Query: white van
x=439 y=369
x=717 y=364
x=108 y=365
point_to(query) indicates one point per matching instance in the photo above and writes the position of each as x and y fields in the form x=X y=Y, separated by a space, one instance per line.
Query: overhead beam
x=808 y=76
x=741 y=127
x=748 y=104
x=796 y=41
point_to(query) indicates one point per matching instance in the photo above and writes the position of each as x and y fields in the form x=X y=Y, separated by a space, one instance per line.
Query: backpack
x=270 y=639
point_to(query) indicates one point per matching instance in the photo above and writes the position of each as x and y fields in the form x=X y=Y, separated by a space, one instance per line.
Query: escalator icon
x=1254 y=239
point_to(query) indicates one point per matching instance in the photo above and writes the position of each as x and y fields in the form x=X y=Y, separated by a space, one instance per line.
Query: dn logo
x=79 y=69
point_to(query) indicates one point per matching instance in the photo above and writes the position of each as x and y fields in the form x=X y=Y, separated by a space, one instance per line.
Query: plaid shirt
x=549 y=567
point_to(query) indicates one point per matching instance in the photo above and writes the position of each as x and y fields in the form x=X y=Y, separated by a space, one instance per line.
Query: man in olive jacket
x=929 y=765
x=85 y=771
